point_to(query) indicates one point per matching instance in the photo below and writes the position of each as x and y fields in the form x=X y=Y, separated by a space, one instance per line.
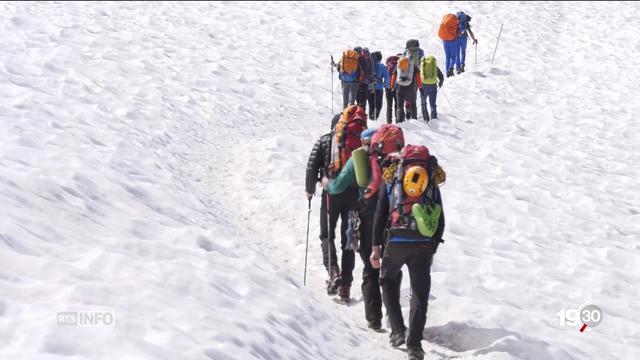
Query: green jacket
x=345 y=179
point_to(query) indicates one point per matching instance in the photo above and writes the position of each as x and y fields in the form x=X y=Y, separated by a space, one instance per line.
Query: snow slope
x=152 y=165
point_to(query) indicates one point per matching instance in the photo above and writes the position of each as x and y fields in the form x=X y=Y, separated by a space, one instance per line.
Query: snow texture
x=152 y=160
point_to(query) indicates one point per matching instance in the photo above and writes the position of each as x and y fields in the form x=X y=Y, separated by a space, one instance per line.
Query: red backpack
x=392 y=62
x=388 y=139
x=346 y=137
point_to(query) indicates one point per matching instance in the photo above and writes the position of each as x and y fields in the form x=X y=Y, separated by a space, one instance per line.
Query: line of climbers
x=387 y=195
x=363 y=76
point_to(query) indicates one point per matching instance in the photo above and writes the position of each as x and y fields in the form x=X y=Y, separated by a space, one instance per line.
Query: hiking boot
x=462 y=68
x=345 y=291
x=334 y=282
x=450 y=72
x=374 y=324
x=415 y=353
x=459 y=72
x=397 y=338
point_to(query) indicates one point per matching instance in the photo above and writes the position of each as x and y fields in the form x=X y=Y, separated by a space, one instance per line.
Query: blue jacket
x=382 y=76
x=462 y=29
x=351 y=77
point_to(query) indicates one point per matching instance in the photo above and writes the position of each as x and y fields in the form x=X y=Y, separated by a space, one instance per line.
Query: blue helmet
x=367 y=134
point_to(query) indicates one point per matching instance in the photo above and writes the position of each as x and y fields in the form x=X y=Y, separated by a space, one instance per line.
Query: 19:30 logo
x=585 y=316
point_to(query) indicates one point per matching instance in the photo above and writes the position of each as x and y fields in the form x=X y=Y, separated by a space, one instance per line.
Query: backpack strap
x=392 y=200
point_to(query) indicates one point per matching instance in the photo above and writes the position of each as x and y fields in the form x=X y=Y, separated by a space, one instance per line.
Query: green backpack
x=428 y=70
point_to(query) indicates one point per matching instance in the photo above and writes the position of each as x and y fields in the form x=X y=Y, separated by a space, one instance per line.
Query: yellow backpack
x=349 y=62
x=428 y=70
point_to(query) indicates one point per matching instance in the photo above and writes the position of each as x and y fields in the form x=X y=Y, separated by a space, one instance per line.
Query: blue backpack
x=463 y=22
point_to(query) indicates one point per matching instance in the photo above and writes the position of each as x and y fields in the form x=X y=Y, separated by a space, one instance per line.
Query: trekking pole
x=328 y=235
x=332 y=65
x=446 y=97
x=496 y=49
x=476 y=46
x=306 y=251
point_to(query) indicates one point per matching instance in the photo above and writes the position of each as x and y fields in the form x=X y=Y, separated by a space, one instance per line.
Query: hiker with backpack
x=407 y=50
x=392 y=100
x=423 y=99
x=381 y=82
x=318 y=166
x=366 y=81
x=407 y=80
x=409 y=219
x=364 y=169
x=349 y=75
x=464 y=30
x=448 y=32
x=327 y=158
x=430 y=75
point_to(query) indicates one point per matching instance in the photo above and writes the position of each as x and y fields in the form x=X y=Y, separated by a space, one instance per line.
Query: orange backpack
x=346 y=137
x=448 y=28
x=405 y=71
x=349 y=62
x=403 y=64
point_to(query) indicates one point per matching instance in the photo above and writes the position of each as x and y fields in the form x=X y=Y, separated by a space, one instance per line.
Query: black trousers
x=418 y=258
x=371 y=293
x=363 y=95
x=370 y=277
x=392 y=105
x=407 y=93
x=375 y=102
x=339 y=206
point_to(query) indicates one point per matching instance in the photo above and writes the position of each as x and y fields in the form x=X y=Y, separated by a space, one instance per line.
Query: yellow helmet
x=415 y=181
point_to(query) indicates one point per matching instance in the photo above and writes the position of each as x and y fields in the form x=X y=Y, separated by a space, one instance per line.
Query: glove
x=475 y=41
x=309 y=195
x=440 y=84
x=421 y=92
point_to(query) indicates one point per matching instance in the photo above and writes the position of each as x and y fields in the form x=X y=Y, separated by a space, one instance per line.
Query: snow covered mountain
x=152 y=161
